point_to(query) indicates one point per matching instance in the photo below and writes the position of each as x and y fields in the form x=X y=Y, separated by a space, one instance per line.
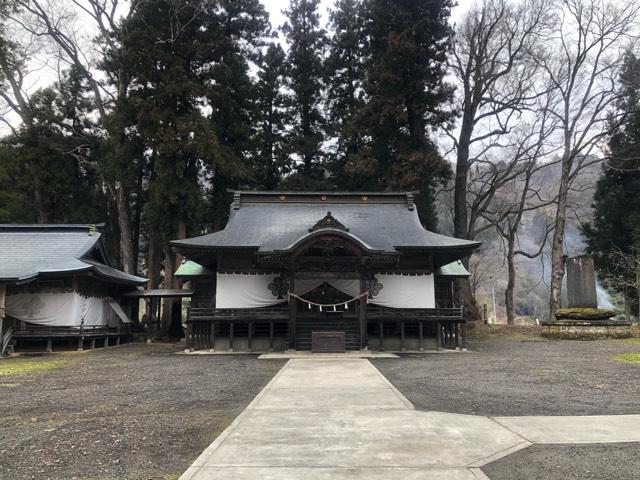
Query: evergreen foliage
x=406 y=99
x=202 y=100
x=616 y=221
x=305 y=70
x=271 y=162
x=42 y=177
x=345 y=74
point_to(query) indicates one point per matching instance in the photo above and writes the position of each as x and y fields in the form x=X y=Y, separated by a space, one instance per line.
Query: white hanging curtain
x=53 y=309
x=405 y=291
x=350 y=287
x=63 y=309
x=235 y=290
x=346 y=286
x=305 y=285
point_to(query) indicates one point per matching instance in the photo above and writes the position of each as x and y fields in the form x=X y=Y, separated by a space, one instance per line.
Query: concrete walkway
x=341 y=419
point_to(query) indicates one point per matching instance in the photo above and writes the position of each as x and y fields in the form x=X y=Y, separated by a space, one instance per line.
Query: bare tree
x=59 y=23
x=491 y=62
x=522 y=196
x=580 y=59
x=625 y=274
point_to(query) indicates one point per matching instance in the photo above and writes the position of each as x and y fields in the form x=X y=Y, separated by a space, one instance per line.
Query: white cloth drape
x=347 y=286
x=245 y=291
x=63 y=309
x=252 y=291
x=405 y=291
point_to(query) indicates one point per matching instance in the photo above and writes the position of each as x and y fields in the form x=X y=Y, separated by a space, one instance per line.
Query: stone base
x=586 y=330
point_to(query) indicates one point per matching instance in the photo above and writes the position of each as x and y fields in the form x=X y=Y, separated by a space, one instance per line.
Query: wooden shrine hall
x=323 y=271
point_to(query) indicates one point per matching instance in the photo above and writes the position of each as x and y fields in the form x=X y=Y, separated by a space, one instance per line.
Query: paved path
x=341 y=419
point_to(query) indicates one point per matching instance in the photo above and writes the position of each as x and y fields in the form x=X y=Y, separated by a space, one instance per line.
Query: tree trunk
x=627 y=305
x=511 y=282
x=638 y=291
x=167 y=303
x=460 y=219
x=126 y=237
x=557 y=246
x=171 y=321
x=153 y=272
x=137 y=218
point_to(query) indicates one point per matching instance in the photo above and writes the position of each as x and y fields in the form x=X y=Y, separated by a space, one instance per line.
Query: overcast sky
x=275 y=8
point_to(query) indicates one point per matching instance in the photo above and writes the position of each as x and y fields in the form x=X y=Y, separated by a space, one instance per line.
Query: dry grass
x=632 y=357
x=24 y=366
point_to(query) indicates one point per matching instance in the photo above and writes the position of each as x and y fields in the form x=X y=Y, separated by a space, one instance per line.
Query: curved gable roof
x=275 y=221
x=28 y=251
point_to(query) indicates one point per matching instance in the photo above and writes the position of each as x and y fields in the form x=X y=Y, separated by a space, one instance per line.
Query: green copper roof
x=454 y=269
x=192 y=269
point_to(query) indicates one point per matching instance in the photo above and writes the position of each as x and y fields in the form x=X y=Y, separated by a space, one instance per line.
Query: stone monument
x=581 y=282
x=582 y=319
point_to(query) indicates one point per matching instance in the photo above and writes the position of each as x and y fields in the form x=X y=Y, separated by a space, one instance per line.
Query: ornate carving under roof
x=329 y=222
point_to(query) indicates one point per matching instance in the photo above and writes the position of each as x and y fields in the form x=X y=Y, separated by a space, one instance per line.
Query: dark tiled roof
x=28 y=251
x=277 y=221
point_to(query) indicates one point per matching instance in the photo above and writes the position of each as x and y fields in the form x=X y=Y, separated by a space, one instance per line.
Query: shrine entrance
x=327 y=320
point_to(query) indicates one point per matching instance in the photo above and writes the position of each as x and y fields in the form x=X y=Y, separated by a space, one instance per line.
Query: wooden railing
x=205 y=323
x=91 y=333
x=413 y=314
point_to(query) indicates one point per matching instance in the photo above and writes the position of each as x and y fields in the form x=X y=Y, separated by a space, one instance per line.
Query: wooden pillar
x=188 y=341
x=381 y=326
x=271 y=336
x=362 y=314
x=402 y=346
x=149 y=311
x=3 y=291
x=250 y=336
x=439 y=334
x=455 y=334
x=49 y=345
x=212 y=336
x=292 y=311
x=421 y=337
x=231 y=336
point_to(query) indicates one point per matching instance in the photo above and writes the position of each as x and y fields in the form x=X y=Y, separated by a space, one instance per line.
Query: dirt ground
x=526 y=375
x=130 y=412
x=522 y=375
x=140 y=412
x=613 y=461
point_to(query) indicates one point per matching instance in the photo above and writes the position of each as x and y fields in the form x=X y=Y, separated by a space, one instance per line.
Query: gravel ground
x=521 y=375
x=613 y=461
x=130 y=412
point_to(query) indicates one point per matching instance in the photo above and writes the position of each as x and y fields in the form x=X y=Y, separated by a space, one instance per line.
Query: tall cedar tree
x=241 y=26
x=345 y=72
x=271 y=160
x=307 y=42
x=406 y=94
x=168 y=47
x=616 y=220
x=41 y=180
